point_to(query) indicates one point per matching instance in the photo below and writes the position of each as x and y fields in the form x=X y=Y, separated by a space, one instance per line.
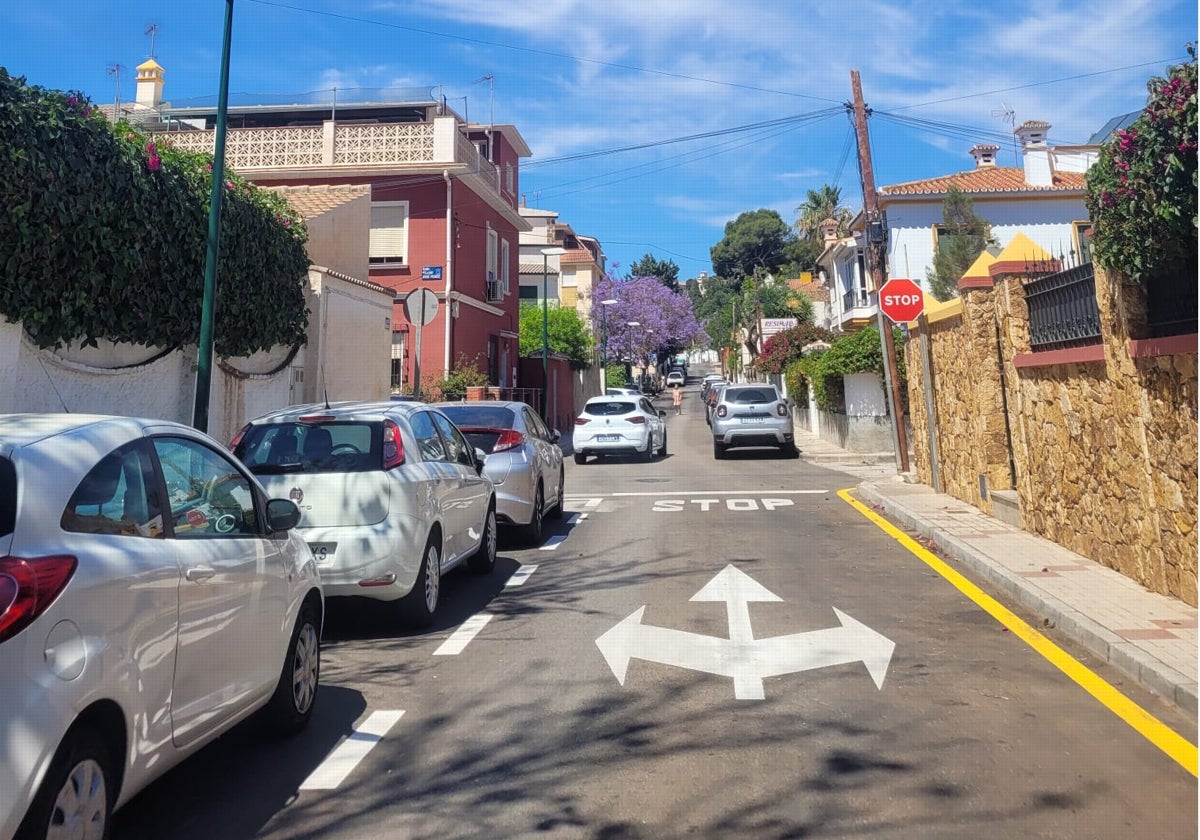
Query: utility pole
x=877 y=261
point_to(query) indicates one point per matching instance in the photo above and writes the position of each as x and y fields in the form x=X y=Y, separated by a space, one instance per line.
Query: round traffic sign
x=901 y=300
x=420 y=307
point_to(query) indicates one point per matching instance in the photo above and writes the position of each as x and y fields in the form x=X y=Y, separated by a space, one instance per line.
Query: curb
x=1135 y=663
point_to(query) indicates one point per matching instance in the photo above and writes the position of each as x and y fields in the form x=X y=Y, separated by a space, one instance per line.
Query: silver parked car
x=391 y=496
x=524 y=461
x=752 y=415
x=620 y=425
x=152 y=597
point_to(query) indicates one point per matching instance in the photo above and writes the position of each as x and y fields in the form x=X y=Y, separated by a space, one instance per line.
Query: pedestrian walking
x=677 y=399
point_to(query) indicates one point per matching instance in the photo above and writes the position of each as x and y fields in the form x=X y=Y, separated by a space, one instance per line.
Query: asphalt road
x=523 y=729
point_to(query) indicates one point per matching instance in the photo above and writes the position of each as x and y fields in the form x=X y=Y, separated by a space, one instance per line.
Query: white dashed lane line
x=520 y=576
x=461 y=637
x=338 y=764
x=576 y=519
x=552 y=543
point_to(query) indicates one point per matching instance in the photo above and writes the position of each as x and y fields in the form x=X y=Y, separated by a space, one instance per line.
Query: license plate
x=607 y=438
x=323 y=551
x=754 y=419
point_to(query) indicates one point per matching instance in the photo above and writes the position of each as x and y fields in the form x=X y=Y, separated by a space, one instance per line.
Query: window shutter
x=389 y=232
x=504 y=260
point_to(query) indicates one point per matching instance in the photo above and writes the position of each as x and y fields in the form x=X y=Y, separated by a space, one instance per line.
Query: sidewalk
x=1151 y=638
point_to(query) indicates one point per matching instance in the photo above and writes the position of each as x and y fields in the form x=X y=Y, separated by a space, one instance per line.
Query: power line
x=532 y=51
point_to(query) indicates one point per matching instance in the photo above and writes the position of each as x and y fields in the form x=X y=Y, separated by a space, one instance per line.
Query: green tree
x=754 y=240
x=567 y=333
x=666 y=271
x=961 y=239
x=821 y=204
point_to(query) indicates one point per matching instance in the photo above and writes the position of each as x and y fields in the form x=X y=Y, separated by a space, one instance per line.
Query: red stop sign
x=901 y=300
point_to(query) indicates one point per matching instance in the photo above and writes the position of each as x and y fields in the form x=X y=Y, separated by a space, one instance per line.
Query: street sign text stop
x=901 y=300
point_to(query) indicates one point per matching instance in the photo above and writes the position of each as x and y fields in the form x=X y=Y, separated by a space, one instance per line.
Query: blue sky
x=584 y=76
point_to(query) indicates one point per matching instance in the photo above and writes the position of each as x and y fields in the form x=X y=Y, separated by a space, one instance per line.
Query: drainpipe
x=449 y=260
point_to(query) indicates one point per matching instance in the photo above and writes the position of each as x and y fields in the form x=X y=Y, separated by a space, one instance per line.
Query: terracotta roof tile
x=315 y=200
x=992 y=179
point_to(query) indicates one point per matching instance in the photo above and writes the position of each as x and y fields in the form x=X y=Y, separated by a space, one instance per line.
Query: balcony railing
x=1062 y=310
x=857 y=299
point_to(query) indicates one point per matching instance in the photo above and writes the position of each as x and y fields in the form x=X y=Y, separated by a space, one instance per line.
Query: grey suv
x=752 y=415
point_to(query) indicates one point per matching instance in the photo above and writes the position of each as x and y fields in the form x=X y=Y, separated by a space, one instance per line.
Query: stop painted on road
x=735 y=504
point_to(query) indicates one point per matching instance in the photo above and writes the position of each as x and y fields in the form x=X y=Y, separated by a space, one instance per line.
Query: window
x=535 y=425
x=1083 y=241
x=504 y=259
x=509 y=170
x=570 y=276
x=428 y=440
x=389 y=232
x=117 y=497
x=207 y=494
x=459 y=450
x=493 y=286
x=529 y=293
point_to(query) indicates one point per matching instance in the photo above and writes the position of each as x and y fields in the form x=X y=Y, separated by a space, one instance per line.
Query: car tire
x=789 y=450
x=718 y=450
x=419 y=606
x=580 y=458
x=484 y=560
x=647 y=454
x=662 y=450
x=76 y=798
x=556 y=512
x=532 y=533
x=291 y=706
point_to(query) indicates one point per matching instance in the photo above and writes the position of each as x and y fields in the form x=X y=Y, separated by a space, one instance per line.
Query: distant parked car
x=676 y=377
x=622 y=391
x=524 y=461
x=391 y=496
x=711 y=394
x=619 y=425
x=152 y=597
x=752 y=415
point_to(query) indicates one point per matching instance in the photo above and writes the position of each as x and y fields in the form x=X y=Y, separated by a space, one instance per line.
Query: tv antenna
x=114 y=70
x=1010 y=117
x=152 y=31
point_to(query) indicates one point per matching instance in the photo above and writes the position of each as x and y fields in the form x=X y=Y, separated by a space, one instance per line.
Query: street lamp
x=629 y=341
x=604 y=304
x=546 y=254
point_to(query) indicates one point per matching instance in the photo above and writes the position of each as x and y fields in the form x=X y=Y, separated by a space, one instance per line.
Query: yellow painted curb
x=1182 y=751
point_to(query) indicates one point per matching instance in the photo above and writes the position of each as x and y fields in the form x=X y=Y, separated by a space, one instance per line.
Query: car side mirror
x=662 y=414
x=282 y=515
x=480 y=457
x=555 y=435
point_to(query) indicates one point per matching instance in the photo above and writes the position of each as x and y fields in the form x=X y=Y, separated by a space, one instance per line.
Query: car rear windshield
x=481 y=425
x=294 y=447
x=8 y=497
x=609 y=408
x=749 y=396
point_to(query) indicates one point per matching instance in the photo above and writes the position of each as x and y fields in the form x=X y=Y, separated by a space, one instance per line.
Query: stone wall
x=1103 y=443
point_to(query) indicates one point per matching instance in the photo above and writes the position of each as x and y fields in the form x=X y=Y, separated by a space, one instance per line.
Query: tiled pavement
x=1150 y=637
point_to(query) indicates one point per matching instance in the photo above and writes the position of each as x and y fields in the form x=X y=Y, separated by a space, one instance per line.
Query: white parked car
x=152 y=596
x=523 y=460
x=619 y=425
x=391 y=496
x=676 y=377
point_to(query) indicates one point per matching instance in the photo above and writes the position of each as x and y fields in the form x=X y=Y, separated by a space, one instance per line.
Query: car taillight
x=28 y=587
x=781 y=410
x=722 y=411
x=238 y=437
x=637 y=419
x=579 y=421
x=509 y=439
x=393 y=446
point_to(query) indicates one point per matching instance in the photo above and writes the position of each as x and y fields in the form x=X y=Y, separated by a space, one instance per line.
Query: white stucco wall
x=349 y=347
x=340 y=238
x=864 y=395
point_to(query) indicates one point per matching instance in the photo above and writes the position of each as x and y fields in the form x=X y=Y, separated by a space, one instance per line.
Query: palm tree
x=821 y=204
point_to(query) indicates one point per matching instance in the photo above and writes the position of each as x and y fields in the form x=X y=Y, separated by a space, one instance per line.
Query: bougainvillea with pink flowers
x=1141 y=193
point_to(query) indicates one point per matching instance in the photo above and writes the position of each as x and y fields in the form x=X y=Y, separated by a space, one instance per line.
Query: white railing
x=468 y=152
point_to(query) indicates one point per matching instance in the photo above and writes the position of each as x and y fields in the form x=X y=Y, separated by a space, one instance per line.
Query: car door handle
x=199 y=573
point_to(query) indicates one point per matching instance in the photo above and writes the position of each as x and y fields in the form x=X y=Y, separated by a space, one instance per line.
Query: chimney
x=1035 y=153
x=985 y=155
x=149 y=83
x=829 y=231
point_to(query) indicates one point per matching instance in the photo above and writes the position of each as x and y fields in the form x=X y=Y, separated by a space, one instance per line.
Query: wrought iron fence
x=1062 y=309
x=1171 y=301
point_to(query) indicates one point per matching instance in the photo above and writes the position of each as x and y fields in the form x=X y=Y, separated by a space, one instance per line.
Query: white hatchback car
x=151 y=597
x=391 y=496
x=619 y=425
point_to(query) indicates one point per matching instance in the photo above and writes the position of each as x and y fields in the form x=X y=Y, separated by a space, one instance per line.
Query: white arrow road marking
x=746 y=659
x=461 y=637
x=576 y=519
x=552 y=543
x=338 y=764
x=583 y=501
x=520 y=576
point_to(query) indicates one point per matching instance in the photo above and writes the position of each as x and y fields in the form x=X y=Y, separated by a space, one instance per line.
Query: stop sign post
x=901 y=300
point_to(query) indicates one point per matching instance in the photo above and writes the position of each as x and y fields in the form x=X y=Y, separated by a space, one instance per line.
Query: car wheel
x=789 y=450
x=647 y=454
x=532 y=533
x=580 y=458
x=662 y=450
x=556 y=512
x=484 y=560
x=291 y=706
x=718 y=450
x=419 y=605
x=77 y=795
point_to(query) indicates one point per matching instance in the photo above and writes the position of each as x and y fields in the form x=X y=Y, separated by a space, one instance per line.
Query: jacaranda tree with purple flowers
x=665 y=320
